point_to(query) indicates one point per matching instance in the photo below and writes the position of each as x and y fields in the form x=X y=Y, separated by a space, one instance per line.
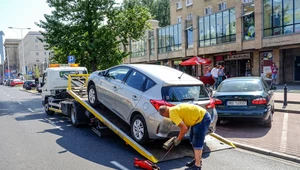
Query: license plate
x=237 y=103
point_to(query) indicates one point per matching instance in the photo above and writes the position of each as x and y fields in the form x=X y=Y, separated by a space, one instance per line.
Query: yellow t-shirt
x=190 y=114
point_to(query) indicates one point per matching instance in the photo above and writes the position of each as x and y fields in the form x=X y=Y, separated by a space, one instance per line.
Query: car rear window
x=240 y=86
x=184 y=93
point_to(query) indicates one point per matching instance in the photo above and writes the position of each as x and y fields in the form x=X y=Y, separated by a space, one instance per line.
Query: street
x=29 y=139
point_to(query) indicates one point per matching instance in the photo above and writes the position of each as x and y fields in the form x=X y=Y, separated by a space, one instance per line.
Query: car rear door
x=128 y=94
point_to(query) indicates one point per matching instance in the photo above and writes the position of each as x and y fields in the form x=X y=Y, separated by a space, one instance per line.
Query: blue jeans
x=198 y=132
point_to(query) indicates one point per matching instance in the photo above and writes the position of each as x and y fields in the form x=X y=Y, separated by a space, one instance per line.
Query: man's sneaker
x=194 y=167
x=189 y=164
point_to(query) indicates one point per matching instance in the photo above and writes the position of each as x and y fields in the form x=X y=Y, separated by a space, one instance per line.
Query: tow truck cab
x=55 y=80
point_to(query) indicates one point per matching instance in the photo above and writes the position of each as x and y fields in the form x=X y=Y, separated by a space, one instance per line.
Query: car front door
x=106 y=86
x=129 y=94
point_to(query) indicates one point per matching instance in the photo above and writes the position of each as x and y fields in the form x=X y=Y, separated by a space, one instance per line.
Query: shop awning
x=195 y=61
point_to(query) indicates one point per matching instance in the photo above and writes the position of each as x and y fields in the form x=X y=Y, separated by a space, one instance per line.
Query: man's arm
x=183 y=130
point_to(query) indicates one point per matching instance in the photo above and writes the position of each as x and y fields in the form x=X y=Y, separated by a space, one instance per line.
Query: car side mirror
x=273 y=88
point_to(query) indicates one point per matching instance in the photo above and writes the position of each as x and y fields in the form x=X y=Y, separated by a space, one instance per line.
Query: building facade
x=35 y=54
x=1 y=47
x=11 y=62
x=245 y=36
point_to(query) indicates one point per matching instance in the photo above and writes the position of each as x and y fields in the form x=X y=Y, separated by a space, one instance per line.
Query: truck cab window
x=44 y=79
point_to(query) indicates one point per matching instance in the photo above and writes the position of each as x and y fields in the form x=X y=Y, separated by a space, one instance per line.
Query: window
x=45 y=53
x=37 y=54
x=184 y=93
x=37 y=60
x=240 y=86
x=149 y=84
x=136 y=80
x=249 y=22
x=247 y=1
x=138 y=48
x=281 y=17
x=208 y=10
x=179 y=19
x=36 y=40
x=189 y=2
x=118 y=73
x=64 y=74
x=179 y=5
x=217 y=28
x=189 y=16
x=222 y=6
x=169 y=38
x=189 y=35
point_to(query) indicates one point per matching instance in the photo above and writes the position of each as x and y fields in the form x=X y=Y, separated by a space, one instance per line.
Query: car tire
x=46 y=107
x=73 y=116
x=92 y=96
x=219 y=121
x=269 y=121
x=138 y=129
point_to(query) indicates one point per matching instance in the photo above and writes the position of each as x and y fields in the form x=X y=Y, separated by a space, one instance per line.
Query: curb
x=268 y=152
x=291 y=102
x=287 y=111
x=37 y=93
x=222 y=139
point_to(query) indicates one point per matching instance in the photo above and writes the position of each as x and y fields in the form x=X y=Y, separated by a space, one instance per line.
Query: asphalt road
x=29 y=139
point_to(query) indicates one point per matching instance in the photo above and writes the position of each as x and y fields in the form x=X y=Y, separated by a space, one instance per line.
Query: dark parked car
x=29 y=84
x=249 y=98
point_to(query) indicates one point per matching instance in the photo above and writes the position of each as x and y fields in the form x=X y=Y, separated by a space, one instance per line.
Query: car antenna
x=181 y=75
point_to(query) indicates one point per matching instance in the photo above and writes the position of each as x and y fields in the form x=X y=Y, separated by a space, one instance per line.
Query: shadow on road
x=241 y=129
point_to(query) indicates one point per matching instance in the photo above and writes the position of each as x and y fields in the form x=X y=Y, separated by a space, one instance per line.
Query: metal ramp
x=153 y=151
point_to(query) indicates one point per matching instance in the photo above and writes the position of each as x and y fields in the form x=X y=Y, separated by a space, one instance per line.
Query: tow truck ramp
x=152 y=151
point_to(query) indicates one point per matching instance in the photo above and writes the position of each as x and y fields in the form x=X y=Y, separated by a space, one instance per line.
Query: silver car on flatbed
x=134 y=92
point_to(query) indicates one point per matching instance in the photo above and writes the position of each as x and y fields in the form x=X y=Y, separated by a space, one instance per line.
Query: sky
x=22 y=14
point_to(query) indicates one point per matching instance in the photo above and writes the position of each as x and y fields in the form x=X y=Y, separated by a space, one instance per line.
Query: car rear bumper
x=244 y=114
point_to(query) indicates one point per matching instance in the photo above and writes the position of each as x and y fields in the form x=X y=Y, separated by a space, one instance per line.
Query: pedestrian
x=187 y=116
x=214 y=73
x=274 y=70
x=220 y=74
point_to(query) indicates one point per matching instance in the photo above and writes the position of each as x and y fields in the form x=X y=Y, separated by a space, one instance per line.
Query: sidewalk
x=293 y=99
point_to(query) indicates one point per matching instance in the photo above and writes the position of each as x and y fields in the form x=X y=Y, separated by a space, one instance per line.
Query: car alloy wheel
x=138 y=129
x=92 y=96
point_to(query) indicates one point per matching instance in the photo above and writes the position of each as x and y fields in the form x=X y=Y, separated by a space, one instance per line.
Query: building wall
x=12 y=56
x=34 y=51
x=1 y=47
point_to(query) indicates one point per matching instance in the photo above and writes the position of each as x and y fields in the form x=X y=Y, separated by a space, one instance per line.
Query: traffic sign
x=71 y=59
x=30 y=73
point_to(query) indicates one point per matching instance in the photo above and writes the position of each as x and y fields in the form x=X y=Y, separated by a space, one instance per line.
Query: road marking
x=30 y=110
x=53 y=124
x=284 y=132
x=117 y=164
x=19 y=102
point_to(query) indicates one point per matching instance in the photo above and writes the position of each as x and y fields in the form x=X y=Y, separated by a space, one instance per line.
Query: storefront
x=266 y=60
x=291 y=65
x=238 y=65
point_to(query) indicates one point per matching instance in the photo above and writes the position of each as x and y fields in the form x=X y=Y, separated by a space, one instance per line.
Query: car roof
x=165 y=73
x=243 y=78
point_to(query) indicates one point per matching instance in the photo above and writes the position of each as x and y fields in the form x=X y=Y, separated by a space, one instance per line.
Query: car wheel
x=268 y=122
x=92 y=96
x=46 y=107
x=139 y=129
x=74 y=119
x=219 y=121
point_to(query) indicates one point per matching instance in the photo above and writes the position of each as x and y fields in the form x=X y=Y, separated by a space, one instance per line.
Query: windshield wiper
x=186 y=99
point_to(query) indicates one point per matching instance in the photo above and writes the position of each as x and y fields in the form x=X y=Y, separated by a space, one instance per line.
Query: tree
x=89 y=29
x=159 y=9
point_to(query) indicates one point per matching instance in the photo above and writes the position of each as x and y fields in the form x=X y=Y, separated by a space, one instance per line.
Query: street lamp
x=24 y=67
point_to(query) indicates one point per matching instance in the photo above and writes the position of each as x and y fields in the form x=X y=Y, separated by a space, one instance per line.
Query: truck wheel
x=92 y=96
x=46 y=107
x=139 y=129
x=73 y=115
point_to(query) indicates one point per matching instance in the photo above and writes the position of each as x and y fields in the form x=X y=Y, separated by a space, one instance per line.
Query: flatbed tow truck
x=75 y=105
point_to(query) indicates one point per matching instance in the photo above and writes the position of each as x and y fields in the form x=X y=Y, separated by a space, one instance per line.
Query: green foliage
x=159 y=9
x=91 y=31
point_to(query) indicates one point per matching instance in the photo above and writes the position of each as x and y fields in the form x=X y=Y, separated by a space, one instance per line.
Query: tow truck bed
x=153 y=151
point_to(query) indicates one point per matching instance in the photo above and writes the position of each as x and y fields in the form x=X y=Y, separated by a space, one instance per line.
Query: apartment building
x=1 y=47
x=34 y=53
x=245 y=36
x=11 y=62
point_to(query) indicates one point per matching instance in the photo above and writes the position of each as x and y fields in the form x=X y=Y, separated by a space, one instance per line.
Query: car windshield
x=240 y=86
x=184 y=93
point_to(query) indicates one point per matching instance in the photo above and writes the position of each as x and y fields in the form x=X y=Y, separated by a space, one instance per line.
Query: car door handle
x=134 y=97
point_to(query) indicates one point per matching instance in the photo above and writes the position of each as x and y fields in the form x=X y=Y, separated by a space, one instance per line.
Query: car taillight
x=259 y=101
x=211 y=104
x=158 y=103
x=218 y=102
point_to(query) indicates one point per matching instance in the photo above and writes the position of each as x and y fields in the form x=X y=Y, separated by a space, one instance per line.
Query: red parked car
x=16 y=82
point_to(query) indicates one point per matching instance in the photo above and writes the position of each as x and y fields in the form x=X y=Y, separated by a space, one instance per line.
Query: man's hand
x=176 y=141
